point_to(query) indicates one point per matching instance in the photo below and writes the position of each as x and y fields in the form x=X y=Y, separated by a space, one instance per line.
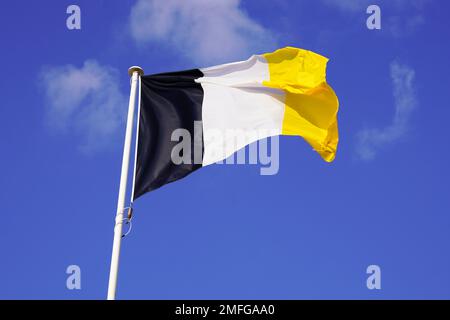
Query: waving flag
x=280 y=93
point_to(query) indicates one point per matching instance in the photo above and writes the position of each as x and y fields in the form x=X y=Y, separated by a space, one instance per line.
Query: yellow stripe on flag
x=311 y=105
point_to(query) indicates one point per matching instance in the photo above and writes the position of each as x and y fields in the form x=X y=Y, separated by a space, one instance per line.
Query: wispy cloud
x=86 y=101
x=349 y=5
x=400 y=26
x=203 y=30
x=371 y=140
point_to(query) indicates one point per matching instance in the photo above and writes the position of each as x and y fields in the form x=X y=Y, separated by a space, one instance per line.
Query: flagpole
x=135 y=73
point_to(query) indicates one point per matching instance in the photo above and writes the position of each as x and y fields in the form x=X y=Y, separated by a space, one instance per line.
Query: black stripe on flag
x=169 y=101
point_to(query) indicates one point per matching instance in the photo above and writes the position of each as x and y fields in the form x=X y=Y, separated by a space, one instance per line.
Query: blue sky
x=225 y=231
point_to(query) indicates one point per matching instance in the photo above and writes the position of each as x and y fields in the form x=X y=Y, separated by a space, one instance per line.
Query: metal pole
x=135 y=72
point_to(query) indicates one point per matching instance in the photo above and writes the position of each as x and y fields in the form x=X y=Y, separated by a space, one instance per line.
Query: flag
x=193 y=118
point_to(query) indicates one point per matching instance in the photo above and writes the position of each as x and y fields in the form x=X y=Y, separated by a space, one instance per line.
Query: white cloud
x=205 y=31
x=371 y=140
x=84 y=100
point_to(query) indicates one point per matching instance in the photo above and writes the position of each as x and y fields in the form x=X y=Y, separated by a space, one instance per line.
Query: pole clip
x=128 y=220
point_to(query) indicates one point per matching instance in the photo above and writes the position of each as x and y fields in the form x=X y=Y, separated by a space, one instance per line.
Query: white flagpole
x=135 y=72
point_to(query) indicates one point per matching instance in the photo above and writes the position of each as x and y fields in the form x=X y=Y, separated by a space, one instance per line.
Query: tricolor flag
x=280 y=93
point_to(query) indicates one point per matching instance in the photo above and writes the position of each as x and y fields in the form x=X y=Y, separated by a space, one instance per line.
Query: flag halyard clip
x=128 y=220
